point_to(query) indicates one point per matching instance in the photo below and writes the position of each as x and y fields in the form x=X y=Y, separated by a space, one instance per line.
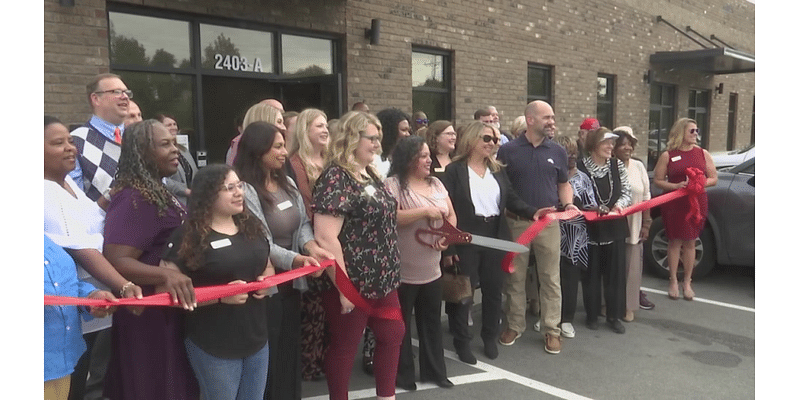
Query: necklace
x=597 y=190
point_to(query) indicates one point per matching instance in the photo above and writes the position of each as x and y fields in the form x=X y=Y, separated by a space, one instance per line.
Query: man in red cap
x=589 y=124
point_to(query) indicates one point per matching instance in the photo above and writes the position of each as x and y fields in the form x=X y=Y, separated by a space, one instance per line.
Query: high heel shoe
x=673 y=292
x=688 y=293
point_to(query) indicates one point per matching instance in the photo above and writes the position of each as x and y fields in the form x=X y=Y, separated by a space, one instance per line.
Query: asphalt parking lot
x=681 y=349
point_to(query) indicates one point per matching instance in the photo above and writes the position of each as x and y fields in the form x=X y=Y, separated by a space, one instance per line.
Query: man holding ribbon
x=537 y=168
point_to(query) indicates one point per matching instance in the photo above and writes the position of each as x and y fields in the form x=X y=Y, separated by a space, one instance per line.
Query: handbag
x=456 y=288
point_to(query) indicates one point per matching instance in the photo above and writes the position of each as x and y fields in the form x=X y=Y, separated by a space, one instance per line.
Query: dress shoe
x=592 y=324
x=490 y=348
x=465 y=355
x=409 y=386
x=616 y=326
x=644 y=303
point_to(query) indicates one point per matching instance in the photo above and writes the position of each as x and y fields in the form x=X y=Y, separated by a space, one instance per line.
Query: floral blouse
x=369 y=233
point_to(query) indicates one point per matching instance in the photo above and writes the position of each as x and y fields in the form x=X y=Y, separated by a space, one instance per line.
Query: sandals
x=674 y=291
x=688 y=293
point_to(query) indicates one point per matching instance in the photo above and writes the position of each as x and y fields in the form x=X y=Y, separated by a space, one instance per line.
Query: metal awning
x=720 y=60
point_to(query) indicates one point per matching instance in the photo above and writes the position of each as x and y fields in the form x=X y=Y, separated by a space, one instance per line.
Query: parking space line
x=707 y=301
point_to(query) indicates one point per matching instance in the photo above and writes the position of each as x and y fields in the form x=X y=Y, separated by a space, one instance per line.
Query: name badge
x=439 y=196
x=286 y=204
x=370 y=190
x=218 y=244
x=676 y=158
x=440 y=169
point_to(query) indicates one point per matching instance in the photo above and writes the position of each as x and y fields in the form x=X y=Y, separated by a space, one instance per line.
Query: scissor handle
x=450 y=234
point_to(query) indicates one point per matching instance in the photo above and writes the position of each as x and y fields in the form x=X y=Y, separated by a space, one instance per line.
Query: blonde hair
x=518 y=126
x=675 y=137
x=302 y=145
x=469 y=140
x=261 y=112
x=343 y=143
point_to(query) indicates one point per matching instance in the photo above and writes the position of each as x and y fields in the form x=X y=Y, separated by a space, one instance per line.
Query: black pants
x=606 y=267
x=425 y=303
x=570 y=277
x=93 y=363
x=283 y=382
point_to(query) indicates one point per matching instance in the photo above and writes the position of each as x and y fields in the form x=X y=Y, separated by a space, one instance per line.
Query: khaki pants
x=57 y=389
x=546 y=247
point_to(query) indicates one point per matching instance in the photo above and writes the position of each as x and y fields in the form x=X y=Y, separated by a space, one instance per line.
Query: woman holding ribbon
x=606 y=238
x=355 y=218
x=148 y=357
x=275 y=200
x=480 y=192
x=422 y=202
x=684 y=218
x=222 y=243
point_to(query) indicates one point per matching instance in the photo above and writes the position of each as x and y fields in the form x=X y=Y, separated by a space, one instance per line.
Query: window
x=234 y=49
x=305 y=56
x=733 y=104
x=540 y=83
x=662 y=116
x=137 y=40
x=430 y=80
x=698 y=111
x=605 y=100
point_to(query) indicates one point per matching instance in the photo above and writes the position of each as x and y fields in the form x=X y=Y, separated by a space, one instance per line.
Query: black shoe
x=616 y=326
x=409 y=387
x=465 y=355
x=444 y=383
x=592 y=324
x=490 y=348
x=367 y=365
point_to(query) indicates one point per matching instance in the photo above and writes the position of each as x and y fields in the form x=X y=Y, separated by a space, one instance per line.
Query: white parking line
x=702 y=300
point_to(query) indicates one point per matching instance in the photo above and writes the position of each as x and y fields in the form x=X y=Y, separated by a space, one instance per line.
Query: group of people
x=129 y=214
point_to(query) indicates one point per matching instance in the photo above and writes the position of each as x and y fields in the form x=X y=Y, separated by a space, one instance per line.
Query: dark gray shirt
x=535 y=172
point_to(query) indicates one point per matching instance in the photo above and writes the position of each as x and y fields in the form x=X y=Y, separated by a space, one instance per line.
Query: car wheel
x=655 y=252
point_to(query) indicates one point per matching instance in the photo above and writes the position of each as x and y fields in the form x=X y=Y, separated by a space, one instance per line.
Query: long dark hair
x=205 y=190
x=389 y=118
x=137 y=169
x=257 y=139
x=404 y=156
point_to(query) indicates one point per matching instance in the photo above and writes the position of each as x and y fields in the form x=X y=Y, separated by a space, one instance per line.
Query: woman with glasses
x=275 y=200
x=148 y=357
x=480 y=192
x=441 y=139
x=355 y=218
x=670 y=174
x=222 y=243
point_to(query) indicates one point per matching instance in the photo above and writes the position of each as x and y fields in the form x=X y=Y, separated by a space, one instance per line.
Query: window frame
x=447 y=75
x=548 y=95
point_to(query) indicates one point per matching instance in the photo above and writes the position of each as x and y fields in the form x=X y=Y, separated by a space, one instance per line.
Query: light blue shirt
x=106 y=129
x=63 y=341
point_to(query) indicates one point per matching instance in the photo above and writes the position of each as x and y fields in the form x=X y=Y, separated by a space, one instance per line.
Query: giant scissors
x=453 y=235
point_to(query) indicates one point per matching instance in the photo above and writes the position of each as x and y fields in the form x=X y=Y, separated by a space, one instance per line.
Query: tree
x=221 y=45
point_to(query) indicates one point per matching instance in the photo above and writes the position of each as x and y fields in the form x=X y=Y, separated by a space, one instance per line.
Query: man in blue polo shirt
x=537 y=168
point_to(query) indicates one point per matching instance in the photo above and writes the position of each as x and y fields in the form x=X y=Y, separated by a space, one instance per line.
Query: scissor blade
x=498 y=244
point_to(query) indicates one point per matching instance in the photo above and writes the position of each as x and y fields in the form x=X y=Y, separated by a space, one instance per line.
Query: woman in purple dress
x=670 y=174
x=148 y=358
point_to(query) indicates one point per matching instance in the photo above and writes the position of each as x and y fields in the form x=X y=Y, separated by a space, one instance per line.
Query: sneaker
x=508 y=337
x=644 y=303
x=552 y=344
x=538 y=325
x=567 y=330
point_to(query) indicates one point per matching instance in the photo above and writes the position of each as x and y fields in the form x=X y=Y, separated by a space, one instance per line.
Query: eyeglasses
x=422 y=121
x=373 y=139
x=694 y=130
x=117 y=92
x=489 y=138
x=233 y=186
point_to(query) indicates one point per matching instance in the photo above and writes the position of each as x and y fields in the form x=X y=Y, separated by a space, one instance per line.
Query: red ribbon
x=349 y=291
x=695 y=186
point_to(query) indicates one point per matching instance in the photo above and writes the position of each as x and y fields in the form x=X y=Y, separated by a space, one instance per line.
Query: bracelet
x=568 y=204
x=125 y=287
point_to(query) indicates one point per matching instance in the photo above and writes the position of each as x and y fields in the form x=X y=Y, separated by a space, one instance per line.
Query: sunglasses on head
x=489 y=138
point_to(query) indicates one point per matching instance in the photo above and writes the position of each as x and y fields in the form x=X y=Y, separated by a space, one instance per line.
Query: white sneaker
x=538 y=325
x=567 y=330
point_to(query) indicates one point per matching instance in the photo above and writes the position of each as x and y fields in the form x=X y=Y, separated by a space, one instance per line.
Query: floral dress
x=369 y=233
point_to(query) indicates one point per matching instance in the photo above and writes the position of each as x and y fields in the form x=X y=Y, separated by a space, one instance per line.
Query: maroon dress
x=148 y=357
x=675 y=212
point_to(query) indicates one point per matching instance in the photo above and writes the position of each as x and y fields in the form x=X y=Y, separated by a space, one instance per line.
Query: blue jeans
x=224 y=379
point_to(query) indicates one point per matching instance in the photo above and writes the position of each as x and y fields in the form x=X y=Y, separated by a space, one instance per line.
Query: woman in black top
x=441 y=139
x=222 y=243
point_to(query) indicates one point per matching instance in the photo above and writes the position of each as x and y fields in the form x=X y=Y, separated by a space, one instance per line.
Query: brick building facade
x=587 y=57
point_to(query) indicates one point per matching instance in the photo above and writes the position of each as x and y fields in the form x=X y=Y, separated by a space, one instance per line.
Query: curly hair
x=389 y=118
x=206 y=186
x=137 y=168
x=344 y=141
x=405 y=154
x=257 y=139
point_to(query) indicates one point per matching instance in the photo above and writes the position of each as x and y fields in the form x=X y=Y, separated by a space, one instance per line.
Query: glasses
x=117 y=92
x=373 y=139
x=694 y=130
x=422 y=121
x=233 y=186
x=489 y=138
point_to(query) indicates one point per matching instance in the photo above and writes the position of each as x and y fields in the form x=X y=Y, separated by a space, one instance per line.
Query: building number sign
x=236 y=63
